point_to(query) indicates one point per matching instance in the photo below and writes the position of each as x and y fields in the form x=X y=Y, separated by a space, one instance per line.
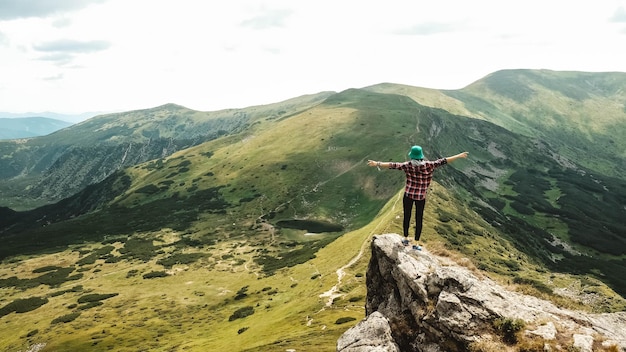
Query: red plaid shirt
x=419 y=173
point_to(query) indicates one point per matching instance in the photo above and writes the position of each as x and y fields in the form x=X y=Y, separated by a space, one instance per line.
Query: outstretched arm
x=378 y=163
x=455 y=157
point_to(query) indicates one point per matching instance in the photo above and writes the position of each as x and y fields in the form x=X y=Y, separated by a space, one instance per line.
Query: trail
x=334 y=291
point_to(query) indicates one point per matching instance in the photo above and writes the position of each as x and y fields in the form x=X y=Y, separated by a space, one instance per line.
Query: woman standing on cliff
x=419 y=173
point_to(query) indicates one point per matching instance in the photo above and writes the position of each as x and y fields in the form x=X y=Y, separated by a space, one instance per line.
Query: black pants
x=419 y=215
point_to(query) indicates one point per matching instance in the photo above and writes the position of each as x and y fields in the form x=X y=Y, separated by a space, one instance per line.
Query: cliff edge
x=419 y=302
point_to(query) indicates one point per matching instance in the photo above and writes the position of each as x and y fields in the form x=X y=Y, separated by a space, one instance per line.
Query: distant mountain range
x=231 y=226
x=27 y=127
x=73 y=118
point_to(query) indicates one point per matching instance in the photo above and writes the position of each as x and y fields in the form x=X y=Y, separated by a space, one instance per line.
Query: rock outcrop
x=417 y=302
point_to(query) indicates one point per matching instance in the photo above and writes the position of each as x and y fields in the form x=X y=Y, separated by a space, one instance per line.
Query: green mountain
x=26 y=127
x=253 y=236
x=44 y=170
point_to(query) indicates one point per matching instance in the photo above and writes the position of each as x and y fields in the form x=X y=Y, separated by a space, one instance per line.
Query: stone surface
x=434 y=306
x=373 y=334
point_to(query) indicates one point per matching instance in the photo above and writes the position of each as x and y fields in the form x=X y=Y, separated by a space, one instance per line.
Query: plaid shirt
x=418 y=176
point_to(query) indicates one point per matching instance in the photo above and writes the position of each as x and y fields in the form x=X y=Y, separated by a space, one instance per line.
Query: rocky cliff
x=419 y=302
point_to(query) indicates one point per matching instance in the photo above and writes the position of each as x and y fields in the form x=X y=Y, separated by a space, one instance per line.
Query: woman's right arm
x=378 y=164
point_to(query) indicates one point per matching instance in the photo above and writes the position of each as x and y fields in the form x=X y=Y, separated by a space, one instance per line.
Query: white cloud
x=206 y=55
x=14 y=9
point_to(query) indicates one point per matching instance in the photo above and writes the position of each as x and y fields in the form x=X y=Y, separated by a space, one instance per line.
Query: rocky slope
x=419 y=302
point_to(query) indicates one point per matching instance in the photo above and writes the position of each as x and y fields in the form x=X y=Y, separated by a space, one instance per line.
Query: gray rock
x=546 y=332
x=584 y=343
x=372 y=334
x=430 y=305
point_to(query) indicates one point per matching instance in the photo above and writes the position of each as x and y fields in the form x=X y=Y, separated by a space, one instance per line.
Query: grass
x=190 y=308
x=186 y=308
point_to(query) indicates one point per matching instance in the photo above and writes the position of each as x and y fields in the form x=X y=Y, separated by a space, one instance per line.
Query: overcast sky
x=73 y=56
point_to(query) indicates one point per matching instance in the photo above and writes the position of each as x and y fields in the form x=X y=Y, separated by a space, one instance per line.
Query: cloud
x=15 y=9
x=62 y=22
x=619 y=15
x=62 y=52
x=268 y=19
x=3 y=39
x=426 y=29
x=57 y=77
x=72 y=46
x=58 y=58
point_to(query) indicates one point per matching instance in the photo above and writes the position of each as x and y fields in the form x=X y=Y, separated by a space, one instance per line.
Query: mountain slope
x=254 y=241
x=47 y=169
x=580 y=114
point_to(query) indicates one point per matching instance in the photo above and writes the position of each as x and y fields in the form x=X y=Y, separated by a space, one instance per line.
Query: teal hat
x=416 y=153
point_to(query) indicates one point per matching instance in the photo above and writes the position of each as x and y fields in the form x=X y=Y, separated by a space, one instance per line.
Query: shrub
x=90 y=305
x=57 y=277
x=46 y=268
x=23 y=305
x=66 y=318
x=509 y=328
x=149 y=189
x=138 y=248
x=155 y=274
x=179 y=258
x=343 y=320
x=94 y=297
x=242 y=293
x=241 y=313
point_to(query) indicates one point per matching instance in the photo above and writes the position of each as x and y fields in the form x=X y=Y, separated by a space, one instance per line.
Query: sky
x=75 y=56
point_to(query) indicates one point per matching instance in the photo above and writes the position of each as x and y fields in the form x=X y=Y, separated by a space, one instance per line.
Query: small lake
x=314 y=226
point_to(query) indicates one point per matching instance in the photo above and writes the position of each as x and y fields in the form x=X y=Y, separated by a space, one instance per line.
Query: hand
x=372 y=163
x=463 y=155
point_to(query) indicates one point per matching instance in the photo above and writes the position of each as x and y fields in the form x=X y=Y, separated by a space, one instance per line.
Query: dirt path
x=334 y=291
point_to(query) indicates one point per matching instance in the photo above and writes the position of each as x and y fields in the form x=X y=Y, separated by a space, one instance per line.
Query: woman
x=419 y=173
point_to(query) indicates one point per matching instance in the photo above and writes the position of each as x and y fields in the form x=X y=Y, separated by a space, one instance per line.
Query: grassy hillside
x=46 y=169
x=258 y=240
x=581 y=115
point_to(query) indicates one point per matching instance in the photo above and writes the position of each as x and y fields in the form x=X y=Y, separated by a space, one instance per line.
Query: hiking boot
x=417 y=247
x=405 y=242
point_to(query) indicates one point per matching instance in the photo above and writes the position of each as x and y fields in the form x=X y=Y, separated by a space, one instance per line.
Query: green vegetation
x=509 y=328
x=94 y=297
x=243 y=215
x=66 y=318
x=51 y=278
x=23 y=305
x=343 y=320
x=179 y=258
x=155 y=274
x=241 y=313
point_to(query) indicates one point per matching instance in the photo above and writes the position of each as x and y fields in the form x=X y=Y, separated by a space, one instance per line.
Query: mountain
x=72 y=118
x=579 y=114
x=250 y=232
x=47 y=169
x=13 y=128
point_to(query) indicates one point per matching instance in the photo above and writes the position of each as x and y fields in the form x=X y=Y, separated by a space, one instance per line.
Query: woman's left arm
x=455 y=157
